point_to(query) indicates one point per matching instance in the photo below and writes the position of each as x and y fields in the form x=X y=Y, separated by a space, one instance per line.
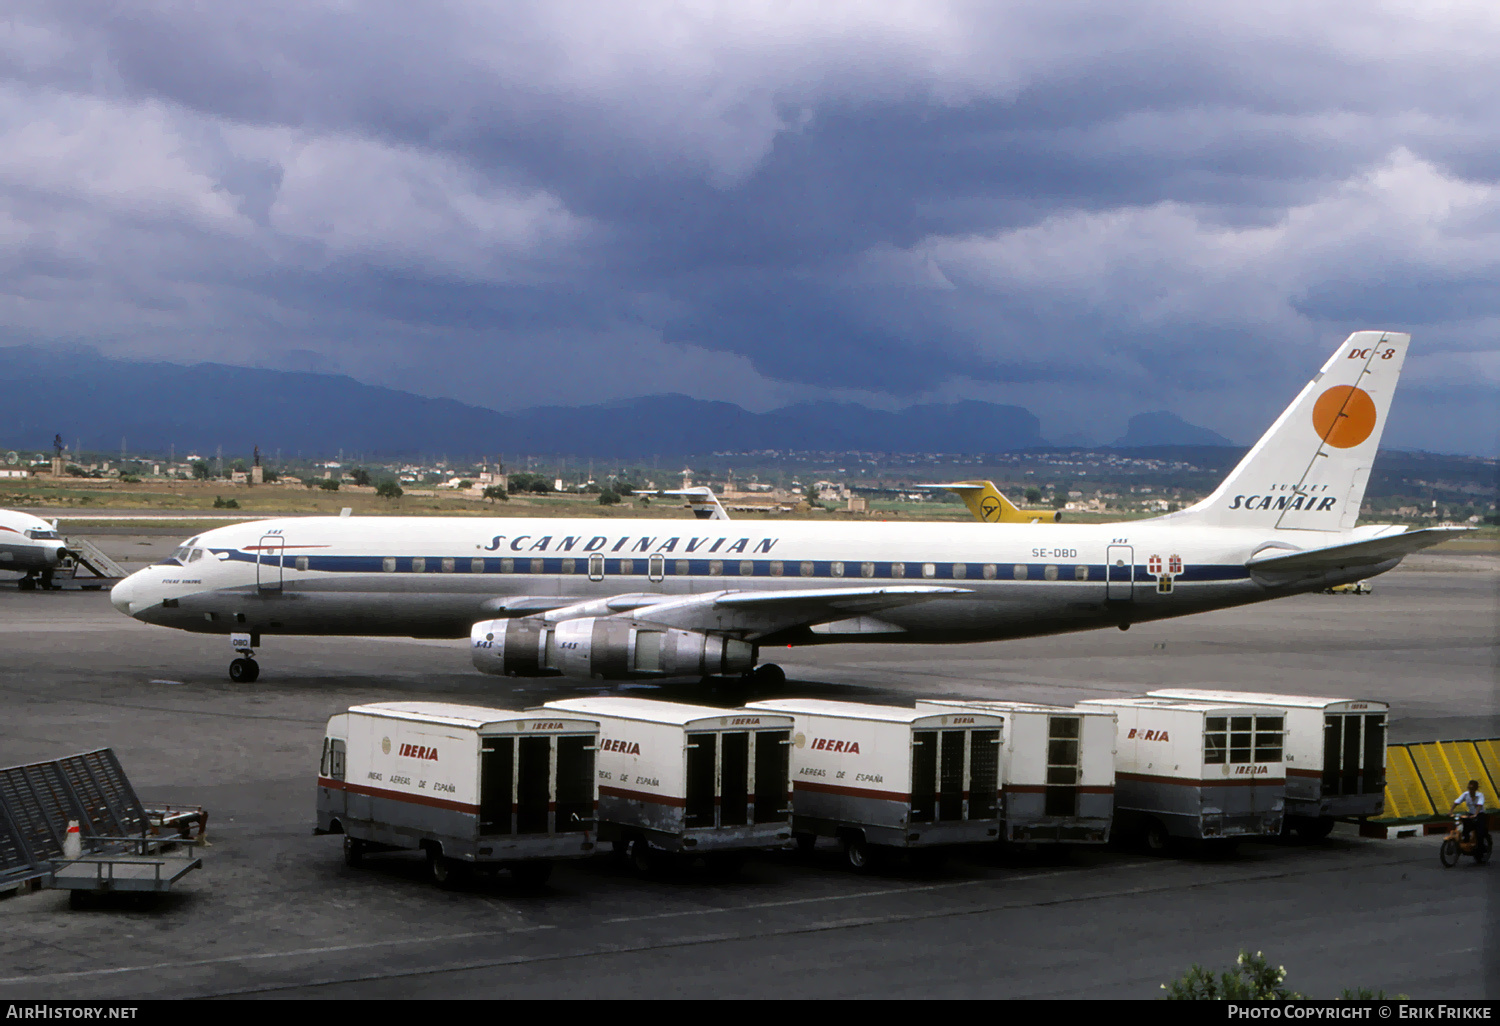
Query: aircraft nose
x=120 y=594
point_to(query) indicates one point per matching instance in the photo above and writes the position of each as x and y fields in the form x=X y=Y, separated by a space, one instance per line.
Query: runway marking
x=223 y=959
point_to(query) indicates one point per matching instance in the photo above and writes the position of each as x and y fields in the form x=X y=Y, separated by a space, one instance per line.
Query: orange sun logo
x=1344 y=416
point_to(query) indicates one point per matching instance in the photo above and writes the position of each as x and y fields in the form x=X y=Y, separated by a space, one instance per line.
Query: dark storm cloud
x=1127 y=208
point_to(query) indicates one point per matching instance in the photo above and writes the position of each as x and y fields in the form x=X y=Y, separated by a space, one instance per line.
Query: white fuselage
x=29 y=544
x=435 y=577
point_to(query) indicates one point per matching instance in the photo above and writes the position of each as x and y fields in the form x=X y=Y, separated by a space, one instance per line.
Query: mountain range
x=96 y=402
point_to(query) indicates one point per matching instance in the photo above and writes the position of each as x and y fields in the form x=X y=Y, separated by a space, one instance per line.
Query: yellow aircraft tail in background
x=988 y=505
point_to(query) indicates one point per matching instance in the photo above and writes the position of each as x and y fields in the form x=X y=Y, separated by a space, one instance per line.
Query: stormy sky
x=1091 y=209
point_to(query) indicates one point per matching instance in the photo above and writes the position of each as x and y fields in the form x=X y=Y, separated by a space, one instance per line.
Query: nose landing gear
x=245 y=669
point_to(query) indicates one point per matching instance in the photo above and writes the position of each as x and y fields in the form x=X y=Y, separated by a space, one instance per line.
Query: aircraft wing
x=1355 y=554
x=757 y=613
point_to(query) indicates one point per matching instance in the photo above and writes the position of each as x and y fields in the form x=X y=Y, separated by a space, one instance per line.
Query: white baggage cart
x=469 y=786
x=688 y=779
x=1335 y=754
x=878 y=777
x=1057 y=769
x=1199 y=770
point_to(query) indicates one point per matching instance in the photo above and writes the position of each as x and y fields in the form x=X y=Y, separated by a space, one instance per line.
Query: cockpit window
x=195 y=555
x=42 y=535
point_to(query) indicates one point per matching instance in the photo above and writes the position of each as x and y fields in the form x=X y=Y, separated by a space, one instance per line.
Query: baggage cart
x=1198 y=770
x=688 y=779
x=469 y=786
x=1335 y=754
x=879 y=778
x=1057 y=769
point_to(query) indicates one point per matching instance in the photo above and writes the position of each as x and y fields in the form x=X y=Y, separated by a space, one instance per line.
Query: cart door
x=497 y=765
x=734 y=778
x=700 y=780
x=951 y=776
x=1119 y=573
x=533 y=784
x=984 y=773
x=575 y=783
x=772 y=767
x=924 y=760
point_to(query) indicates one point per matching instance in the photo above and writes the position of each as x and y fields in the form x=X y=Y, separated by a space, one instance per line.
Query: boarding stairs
x=125 y=846
x=85 y=555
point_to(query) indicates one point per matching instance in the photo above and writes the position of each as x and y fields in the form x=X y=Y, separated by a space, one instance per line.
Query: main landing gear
x=29 y=582
x=245 y=669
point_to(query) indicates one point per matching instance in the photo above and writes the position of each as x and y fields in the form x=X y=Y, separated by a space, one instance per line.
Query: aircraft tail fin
x=701 y=500
x=991 y=507
x=1309 y=471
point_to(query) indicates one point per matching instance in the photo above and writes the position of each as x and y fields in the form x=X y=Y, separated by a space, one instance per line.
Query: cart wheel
x=354 y=850
x=1157 y=838
x=1482 y=849
x=642 y=860
x=858 y=854
x=446 y=873
x=1314 y=829
x=806 y=843
x=531 y=874
x=1448 y=853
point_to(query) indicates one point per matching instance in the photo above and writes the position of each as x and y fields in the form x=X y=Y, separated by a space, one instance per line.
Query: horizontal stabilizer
x=1355 y=554
x=700 y=499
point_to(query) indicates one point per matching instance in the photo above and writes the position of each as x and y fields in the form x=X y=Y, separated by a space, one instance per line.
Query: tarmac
x=275 y=912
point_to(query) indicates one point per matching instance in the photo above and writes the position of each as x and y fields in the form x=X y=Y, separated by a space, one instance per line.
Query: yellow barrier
x=1405 y=797
x=1422 y=779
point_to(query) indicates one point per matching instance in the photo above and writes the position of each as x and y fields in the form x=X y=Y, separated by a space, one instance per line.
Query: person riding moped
x=1475 y=822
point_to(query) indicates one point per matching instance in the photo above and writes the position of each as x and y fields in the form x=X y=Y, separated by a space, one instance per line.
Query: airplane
x=620 y=599
x=31 y=546
x=991 y=507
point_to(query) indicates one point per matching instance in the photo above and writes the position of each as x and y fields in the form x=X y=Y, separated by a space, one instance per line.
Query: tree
x=238 y=465
x=360 y=476
x=220 y=503
x=1252 y=979
x=200 y=470
x=608 y=498
x=494 y=492
x=1033 y=494
x=388 y=490
x=269 y=476
x=328 y=484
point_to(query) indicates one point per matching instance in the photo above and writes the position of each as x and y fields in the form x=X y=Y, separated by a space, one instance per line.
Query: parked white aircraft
x=31 y=546
x=635 y=599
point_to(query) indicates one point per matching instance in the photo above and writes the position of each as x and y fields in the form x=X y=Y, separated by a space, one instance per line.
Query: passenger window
x=448 y=565
x=419 y=565
x=898 y=569
x=683 y=568
x=537 y=566
x=747 y=568
x=1019 y=571
x=715 y=567
x=960 y=571
x=388 y=564
x=836 y=568
x=301 y=562
x=1050 y=573
x=568 y=566
x=775 y=568
x=989 y=571
x=867 y=569
x=1080 y=573
x=476 y=566
x=507 y=566
x=807 y=569
x=929 y=569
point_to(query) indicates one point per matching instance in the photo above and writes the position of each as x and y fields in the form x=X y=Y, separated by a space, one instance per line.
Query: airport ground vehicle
x=1334 y=755
x=1057 y=769
x=880 y=778
x=469 y=786
x=1479 y=845
x=1196 y=770
x=1354 y=588
x=688 y=779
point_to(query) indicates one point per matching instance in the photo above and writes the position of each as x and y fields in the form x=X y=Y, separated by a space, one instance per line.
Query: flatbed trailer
x=882 y=778
x=471 y=787
x=1335 y=754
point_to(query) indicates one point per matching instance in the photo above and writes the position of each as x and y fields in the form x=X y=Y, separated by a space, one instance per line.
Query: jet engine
x=603 y=648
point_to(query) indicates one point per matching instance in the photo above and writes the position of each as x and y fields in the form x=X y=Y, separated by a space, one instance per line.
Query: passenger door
x=269 y=556
x=1119 y=573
